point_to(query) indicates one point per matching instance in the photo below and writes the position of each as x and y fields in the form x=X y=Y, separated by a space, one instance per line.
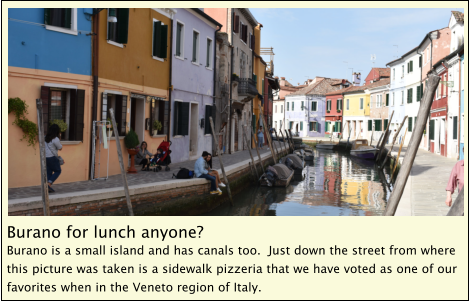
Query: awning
x=274 y=83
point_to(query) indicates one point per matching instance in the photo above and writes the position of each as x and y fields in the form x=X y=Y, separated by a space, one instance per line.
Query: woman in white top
x=52 y=162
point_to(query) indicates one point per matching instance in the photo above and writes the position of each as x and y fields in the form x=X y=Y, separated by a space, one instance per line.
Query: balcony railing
x=247 y=87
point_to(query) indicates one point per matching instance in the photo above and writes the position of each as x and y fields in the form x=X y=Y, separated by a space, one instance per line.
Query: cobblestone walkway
x=141 y=177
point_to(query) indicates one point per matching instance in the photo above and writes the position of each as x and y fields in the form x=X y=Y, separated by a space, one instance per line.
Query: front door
x=193 y=132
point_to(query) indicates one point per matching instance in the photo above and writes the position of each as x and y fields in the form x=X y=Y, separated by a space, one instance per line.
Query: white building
x=413 y=91
x=278 y=115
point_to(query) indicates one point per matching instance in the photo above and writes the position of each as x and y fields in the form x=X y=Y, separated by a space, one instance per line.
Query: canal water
x=334 y=184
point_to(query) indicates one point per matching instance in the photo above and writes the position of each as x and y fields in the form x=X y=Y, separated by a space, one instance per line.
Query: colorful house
x=133 y=73
x=52 y=63
x=376 y=74
x=334 y=112
x=379 y=101
x=356 y=112
x=259 y=69
x=192 y=79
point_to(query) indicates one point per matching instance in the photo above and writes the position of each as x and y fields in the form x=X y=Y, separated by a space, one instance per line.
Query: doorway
x=193 y=132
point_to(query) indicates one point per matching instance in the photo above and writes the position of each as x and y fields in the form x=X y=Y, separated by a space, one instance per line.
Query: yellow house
x=356 y=112
x=259 y=68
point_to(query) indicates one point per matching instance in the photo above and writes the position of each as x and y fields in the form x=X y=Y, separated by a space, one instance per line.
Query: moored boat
x=361 y=149
x=279 y=176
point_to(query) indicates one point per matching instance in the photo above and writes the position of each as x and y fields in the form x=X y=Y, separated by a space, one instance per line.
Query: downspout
x=170 y=88
x=230 y=77
x=214 y=69
x=252 y=101
x=429 y=115
x=460 y=103
x=94 y=109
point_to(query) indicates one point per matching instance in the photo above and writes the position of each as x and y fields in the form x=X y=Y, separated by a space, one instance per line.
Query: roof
x=428 y=35
x=413 y=50
x=206 y=16
x=321 y=87
x=383 y=71
x=340 y=91
x=450 y=56
x=459 y=16
x=368 y=86
x=246 y=12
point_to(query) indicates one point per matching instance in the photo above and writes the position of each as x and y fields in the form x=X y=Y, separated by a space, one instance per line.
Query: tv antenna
x=372 y=58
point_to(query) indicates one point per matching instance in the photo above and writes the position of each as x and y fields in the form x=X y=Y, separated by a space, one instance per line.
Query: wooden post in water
x=399 y=152
x=221 y=163
x=278 y=142
x=393 y=142
x=458 y=206
x=257 y=150
x=121 y=163
x=371 y=137
x=268 y=135
x=380 y=139
x=289 y=137
x=385 y=138
x=284 y=142
x=249 y=150
x=423 y=113
x=42 y=157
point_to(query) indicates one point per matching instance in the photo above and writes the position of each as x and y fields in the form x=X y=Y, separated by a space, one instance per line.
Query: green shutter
x=417 y=93
x=301 y=125
x=326 y=126
x=411 y=66
x=431 y=130
x=387 y=98
x=455 y=128
x=422 y=91
x=292 y=106
x=157 y=35
x=302 y=107
x=420 y=61
x=369 y=125
x=122 y=25
x=178 y=39
x=410 y=124
x=378 y=125
x=385 y=124
x=163 y=41
x=47 y=16
x=287 y=107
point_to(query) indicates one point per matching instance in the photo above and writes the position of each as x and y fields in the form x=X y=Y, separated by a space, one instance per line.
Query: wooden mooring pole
x=385 y=138
x=221 y=163
x=458 y=206
x=121 y=163
x=268 y=135
x=399 y=152
x=393 y=142
x=278 y=142
x=423 y=113
x=286 y=148
x=251 y=155
x=42 y=157
x=257 y=150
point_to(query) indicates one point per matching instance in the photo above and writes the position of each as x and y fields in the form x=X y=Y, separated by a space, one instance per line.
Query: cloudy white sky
x=316 y=42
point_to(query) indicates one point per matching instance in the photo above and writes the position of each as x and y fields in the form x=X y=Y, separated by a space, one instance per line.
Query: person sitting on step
x=213 y=172
x=201 y=172
x=143 y=156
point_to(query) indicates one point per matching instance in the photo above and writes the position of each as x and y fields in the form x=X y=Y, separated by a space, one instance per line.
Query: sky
x=313 y=42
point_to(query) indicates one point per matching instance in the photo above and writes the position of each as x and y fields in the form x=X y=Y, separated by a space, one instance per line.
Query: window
x=328 y=105
x=118 y=31
x=347 y=104
x=181 y=119
x=314 y=106
x=377 y=101
x=291 y=124
x=420 y=64
x=402 y=97
x=418 y=93
x=62 y=20
x=287 y=107
x=119 y=105
x=292 y=106
x=339 y=104
x=409 y=96
x=301 y=125
x=361 y=103
x=210 y=112
x=209 y=54
x=282 y=108
x=180 y=40
x=455 y=128
x=369 y=125
x=314 y=127
x=438 y=91
x=159 y=110
x=67 y=105
x=236 y=23
x=378 y=125
x=410 y=124
x=160 y=39
x=195 y=56
x=385 y=124
x=302 y=105
x=243 y=32
x=387 y=99
x=327 y=129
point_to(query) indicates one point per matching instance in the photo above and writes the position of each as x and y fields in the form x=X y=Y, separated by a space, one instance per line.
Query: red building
x=376 y=74
x=334 y=112
x=438 y=122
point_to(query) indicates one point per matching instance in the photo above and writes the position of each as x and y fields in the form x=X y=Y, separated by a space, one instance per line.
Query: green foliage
x=19 y=108
x=111 y=123
x=157 y=125
x=131 y=140
x=61 y=123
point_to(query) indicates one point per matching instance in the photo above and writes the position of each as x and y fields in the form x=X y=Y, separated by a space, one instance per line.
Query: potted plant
x=338 y=110
x=61 y=123
x=235 y=77
x=131 y=140
x=157 y=126
x=110 y=127
x=327 y=111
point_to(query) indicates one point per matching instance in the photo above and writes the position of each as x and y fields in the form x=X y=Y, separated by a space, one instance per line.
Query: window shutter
x=121 y=109
x=45 y=95
x=287 y=107
x=175 y=118
x=378 y=125
x=326 y=126
x=152 y=114
x=68 y=18
x=195 y=38
x=207 y=124
x=411 y=66
x=455 y=128
x=79 y=114
x=369 y=125
x=408 y=67
x=387 y=100
x=104 y=106
x=292 y=106
x=253 y=123
x=157 y=34
x=253 y=41
x=318 y=127
x=123 y=25
x=163 y=41
x=410 y=124
x=178 y=39
x=431 y=130
x=385 y=124
x=237 y=23
x=47 y=16
x=184 y=118
x=166 y=116
x=420 y=61
x=422 y=91
x=301 y=125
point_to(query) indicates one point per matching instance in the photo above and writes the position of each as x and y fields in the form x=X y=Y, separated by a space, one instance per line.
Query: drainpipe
x=214 y=69
x=252 y=101
x=460 y=113
x=429 y=115
x=171 y=83
x=229 y=129
x=94 y=110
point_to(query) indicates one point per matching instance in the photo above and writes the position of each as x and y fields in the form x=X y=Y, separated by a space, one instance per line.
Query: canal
x=334 y=184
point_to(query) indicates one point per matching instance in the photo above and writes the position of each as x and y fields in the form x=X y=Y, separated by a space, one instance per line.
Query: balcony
x=247 y=88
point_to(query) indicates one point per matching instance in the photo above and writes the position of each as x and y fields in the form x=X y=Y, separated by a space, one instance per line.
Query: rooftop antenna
x=397 y=52
x=372 y=57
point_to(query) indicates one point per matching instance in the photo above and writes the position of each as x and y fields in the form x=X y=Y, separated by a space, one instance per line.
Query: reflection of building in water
x=332 y=172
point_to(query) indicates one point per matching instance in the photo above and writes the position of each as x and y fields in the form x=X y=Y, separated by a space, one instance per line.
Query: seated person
x=143 y=156
x=201 y=172
x=157 y=157
x=213 y=172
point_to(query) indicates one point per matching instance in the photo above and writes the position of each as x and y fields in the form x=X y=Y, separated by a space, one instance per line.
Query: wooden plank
x=399 y=152
x=121 y=164
x=458 y=207
x=257 y=150
x=249 y=150
x=273 y=153
x=42 y=158
x=423 y=113
x=393 y=142
x=221 y=163
x=384 y=138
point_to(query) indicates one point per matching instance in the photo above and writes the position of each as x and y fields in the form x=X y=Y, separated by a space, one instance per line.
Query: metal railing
x=247 y=87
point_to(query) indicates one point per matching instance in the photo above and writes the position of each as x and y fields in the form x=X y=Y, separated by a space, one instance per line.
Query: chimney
x=283 y=81
x=356 y=79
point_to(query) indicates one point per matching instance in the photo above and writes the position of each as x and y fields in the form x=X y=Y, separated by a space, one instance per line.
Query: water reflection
x=334 y=184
